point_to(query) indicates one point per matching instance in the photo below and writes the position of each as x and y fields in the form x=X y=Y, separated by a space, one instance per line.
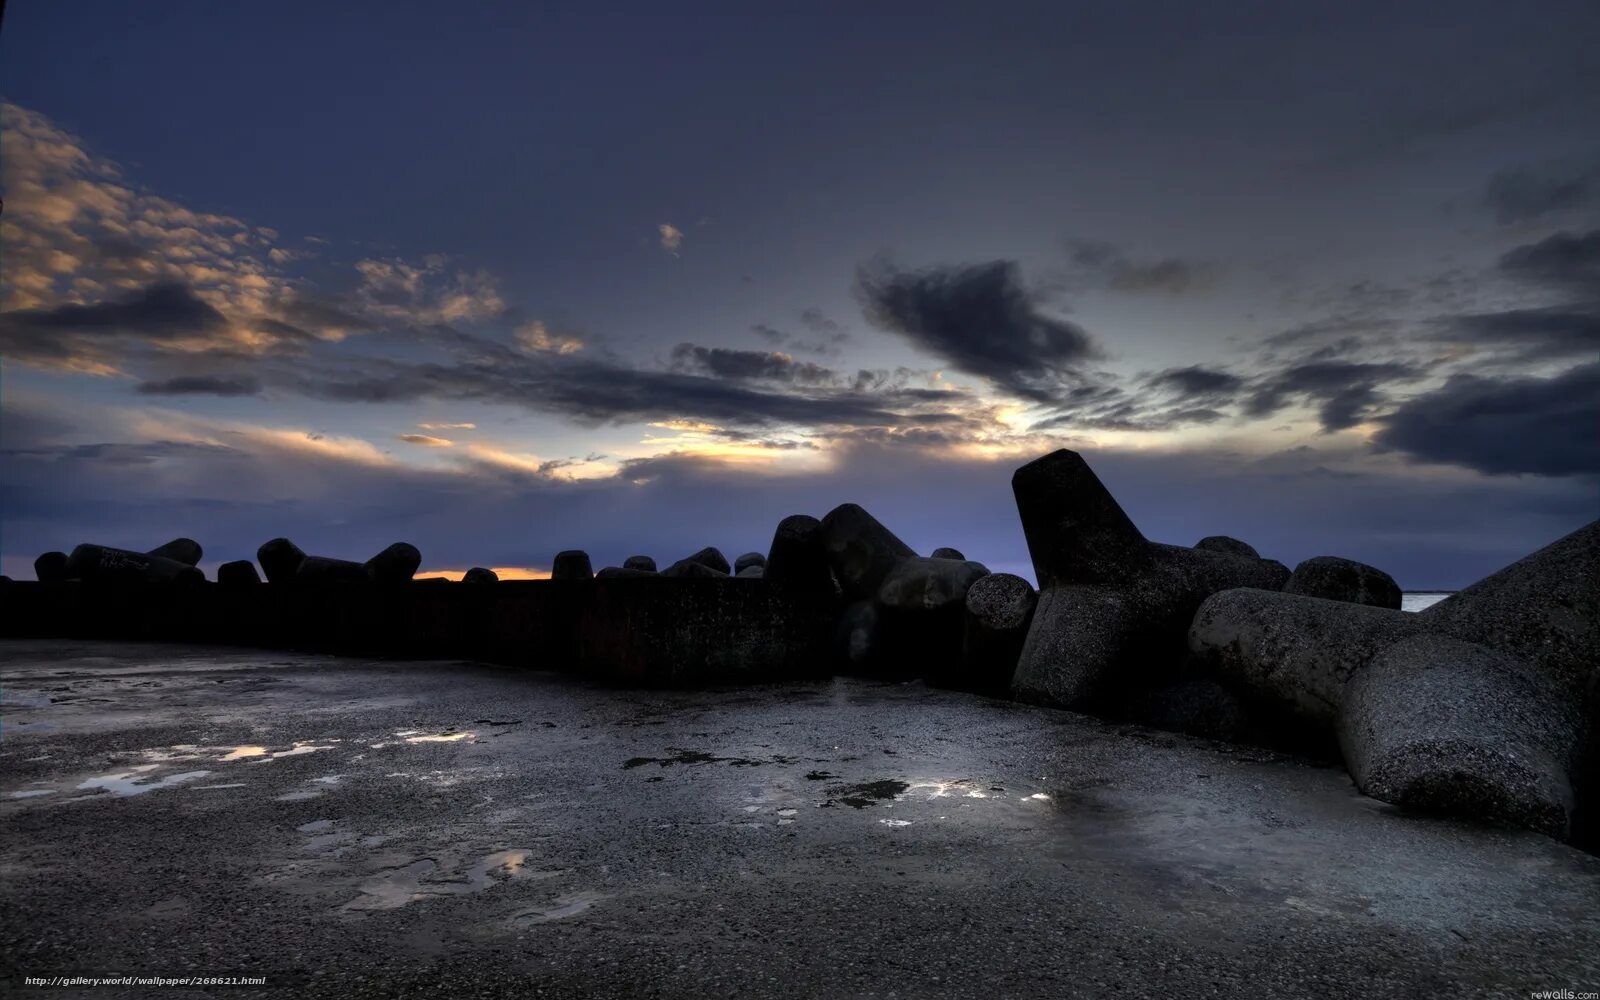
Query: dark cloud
x=202 y=385
x=1529 y=194
x=162 y=312
x=726 y=363
x=596 y=391
x=983 y=321
x=1527 y=335
x=1196 y=381
x=159 y=311
x=1566 y=261
x=1538 y=426
x=1347 y=391
x=1112 y=268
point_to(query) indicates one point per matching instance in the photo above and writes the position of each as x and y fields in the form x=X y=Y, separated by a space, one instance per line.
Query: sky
x=516 y=278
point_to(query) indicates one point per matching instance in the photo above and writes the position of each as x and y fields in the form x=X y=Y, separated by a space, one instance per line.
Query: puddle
x=300 y=747
x=895 y=822
x=30 y=793
x=560 y=908
x=422 y=879
x=866 y=794
x=682 y=756
x=136 y=781
x=315 y=826
x=236 y=784
x=251 y=752
x=297 y=796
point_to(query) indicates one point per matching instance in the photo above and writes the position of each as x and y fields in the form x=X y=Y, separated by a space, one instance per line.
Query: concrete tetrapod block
x=184 y=550
x=1291 y=655
x=1338 y=579
x=1442 y=725
x=921 y=612
x=1114 y=607
x=1224 y=543
x=325 y=569
x=396 y=564
x=572 y=564
x=999 y=609
x=798 y=555
x=1303 y=656
x=623 y=573
x=1544 y=609
x=280 y=559
x=712 y=558
x=861 y=551
x=239 y=573
x=50 y=567
x=101 y=563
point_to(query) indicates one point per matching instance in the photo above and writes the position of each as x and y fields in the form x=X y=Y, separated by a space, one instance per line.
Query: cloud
x=1566 y=261
x=202 y=385
x=983 y=321
x=1196 y=382
x=1538 y=426
x=1348 y=391
x=425 y=440
x=733 y=364
x=1435 y=527
x=1531 y=194
x=671 y=237
x=448 y=427
x=167 y=315
x=1109 y=267
x=97 y=271
x=427 y=292
x=598 y=390
x=535 y=337
x=1526 y=335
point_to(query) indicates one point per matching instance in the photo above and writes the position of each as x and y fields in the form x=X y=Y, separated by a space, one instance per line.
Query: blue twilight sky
x=513 y=278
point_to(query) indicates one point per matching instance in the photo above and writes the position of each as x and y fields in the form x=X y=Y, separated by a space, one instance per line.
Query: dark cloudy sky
x=502 y=279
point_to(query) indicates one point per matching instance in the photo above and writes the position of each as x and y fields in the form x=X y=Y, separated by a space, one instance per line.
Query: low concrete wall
x=639 y=631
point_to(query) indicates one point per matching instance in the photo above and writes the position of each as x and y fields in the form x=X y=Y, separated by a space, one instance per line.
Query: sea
x=1418 y=600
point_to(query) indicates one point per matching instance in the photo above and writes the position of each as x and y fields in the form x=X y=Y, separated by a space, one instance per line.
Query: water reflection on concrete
x=423 y=878
x=137 y=781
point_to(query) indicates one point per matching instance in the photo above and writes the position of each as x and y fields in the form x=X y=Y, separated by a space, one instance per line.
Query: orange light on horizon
x=503 y=572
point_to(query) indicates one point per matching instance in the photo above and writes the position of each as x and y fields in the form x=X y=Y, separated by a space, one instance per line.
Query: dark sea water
x=1416 y=600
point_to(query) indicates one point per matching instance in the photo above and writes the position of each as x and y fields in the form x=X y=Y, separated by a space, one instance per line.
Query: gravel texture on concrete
x=365 y=828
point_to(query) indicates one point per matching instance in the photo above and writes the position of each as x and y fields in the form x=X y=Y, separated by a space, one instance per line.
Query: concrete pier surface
x=353 y=827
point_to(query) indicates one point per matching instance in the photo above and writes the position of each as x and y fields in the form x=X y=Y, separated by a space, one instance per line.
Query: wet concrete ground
x=354 y=828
